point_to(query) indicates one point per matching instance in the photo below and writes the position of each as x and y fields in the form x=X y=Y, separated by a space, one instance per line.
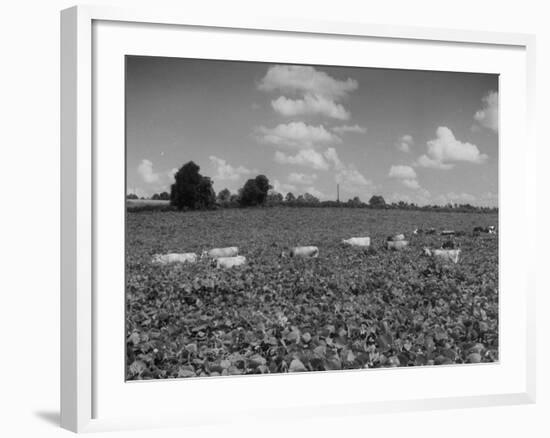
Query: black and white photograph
x=287 y=218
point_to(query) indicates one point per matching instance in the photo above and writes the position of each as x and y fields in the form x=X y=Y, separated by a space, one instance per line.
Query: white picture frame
x=83 y=367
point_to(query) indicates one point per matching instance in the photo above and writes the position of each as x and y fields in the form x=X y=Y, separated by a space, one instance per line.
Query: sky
x=418 y=136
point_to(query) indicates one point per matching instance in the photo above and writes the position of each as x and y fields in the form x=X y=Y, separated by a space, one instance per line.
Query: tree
x=274 y=197
x=254 y=191
x=155 y=197
x=310 y=199
x=377 y=201
x=191 y=189
x=355 y=202
x=164 y=196
x=131 y=196
x=206 y=194
x=224 y=197
x=263 y=186
x=290 y=197
x=248 y=194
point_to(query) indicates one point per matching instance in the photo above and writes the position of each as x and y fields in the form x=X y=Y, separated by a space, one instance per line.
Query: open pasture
x=346 y=309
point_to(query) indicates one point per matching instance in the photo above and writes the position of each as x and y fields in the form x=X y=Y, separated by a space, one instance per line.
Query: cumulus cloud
x=402 y=172
x=404 y=143
x=283 y=188
x=455 y=198
x=487 y=199
x=347 y=128
x=138 y=191
x=296 y=135
x=396 y=197
x=306 y=157
x=145 y=170
x=305 y=80
x=317 y=193
x=310 y=104
x=307 y=91
x=425 y=161
x=411 y=184
x=487 y=116
x=419 y=196
x=445 y=150
x=351 y=180
x=407 y=176
x=301 y=178
x=332 y=157
x=225 y=171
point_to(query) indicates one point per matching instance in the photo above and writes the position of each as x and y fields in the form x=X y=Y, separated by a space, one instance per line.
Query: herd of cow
x=229 y=257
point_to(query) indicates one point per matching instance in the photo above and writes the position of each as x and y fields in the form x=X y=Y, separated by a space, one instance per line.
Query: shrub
x=254 y=191
x=192 y=190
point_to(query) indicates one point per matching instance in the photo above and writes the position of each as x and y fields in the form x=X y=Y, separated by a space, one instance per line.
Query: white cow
x=451 y=255
x=397 y=245
x=302 y=251
x=165 y=259
x=230 y=251
x=357 y=241
x=230 y=262
x=448 y=232
x=396 y=237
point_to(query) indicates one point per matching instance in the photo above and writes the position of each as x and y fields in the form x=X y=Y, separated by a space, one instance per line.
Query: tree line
x=193 y=191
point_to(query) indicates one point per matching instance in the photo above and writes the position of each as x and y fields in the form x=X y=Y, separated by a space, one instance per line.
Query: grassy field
x=346 y=309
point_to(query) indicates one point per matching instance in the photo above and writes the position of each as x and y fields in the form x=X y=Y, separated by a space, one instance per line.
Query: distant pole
x=337 y=192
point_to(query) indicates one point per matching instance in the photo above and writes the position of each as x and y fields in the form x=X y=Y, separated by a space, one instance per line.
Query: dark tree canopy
x=377 y=201
x=191 y=189
x=224 y=196
x=132 y=196
x=254 y=191
x=274 y=197
x=164 y=196
x=290 y=197
x=355 y=202
x=309 y=198
x=263 y=186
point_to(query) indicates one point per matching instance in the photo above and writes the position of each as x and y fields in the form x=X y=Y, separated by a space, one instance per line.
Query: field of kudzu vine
x=347 y=309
